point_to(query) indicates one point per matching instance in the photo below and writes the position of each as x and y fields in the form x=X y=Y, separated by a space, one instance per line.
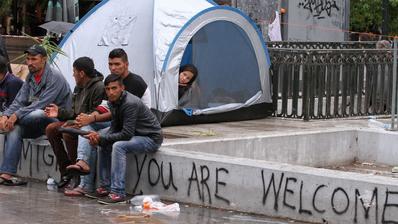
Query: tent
x=160 y=36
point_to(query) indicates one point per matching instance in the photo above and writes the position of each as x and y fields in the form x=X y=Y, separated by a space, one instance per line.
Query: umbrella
x=57 y=27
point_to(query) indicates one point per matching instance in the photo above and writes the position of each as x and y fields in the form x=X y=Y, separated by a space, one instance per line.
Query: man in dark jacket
x=87 y=95
x=25 y=117
x=134 y=129
x=3 y=52
x=9 y=85
x=87 y=155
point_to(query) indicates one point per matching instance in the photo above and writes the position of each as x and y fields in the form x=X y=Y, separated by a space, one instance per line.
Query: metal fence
x=320 y=80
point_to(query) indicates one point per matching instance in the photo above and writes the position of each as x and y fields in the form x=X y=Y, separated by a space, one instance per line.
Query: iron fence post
x=394 y=87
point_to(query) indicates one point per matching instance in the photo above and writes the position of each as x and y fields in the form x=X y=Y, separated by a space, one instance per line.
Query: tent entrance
x=227 y=65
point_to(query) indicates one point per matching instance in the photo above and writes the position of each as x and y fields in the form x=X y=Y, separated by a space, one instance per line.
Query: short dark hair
x=113 y=78
x=3 y=65
x=119 y=53
x=190 y=68
x=86 y=65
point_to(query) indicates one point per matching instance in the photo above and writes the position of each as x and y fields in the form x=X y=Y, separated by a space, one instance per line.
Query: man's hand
x=51 y=111
x=70 y=124
x=3 y=120
x=84 y=119
x=11 y=122
x=93 y=137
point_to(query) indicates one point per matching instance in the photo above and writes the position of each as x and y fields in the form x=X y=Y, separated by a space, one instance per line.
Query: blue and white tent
x=160 y=36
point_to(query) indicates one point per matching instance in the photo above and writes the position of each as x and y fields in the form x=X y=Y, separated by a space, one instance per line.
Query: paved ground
x=35 y=204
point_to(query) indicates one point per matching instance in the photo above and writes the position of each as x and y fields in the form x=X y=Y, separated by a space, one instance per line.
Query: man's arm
x=12 y=90
x=130 y=114
x=97 y=97
x=19 y=101
x=49 y=94
x=147 y=98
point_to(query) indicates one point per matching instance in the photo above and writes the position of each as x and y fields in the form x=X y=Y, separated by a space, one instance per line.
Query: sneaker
x=112 y=199
x=98 y=193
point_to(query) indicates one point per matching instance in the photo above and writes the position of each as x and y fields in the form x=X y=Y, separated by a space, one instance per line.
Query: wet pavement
x=35 y=204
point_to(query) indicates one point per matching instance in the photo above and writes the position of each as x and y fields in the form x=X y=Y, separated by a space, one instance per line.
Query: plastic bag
x=148 y=203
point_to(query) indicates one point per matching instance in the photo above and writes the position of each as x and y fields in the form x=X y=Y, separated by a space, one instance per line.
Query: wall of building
x=316 y=20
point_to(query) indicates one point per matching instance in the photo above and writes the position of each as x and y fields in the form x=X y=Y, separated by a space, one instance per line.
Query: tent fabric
x=112 y=24
x=156 y=33
x=168 y=76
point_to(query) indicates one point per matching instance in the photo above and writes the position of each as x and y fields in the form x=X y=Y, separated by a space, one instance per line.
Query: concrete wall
x=262 y=12
x=378 y=146
x=256 y=185
x=274 y=189
x=319 y=20
x=317 y=149
x=37 y=160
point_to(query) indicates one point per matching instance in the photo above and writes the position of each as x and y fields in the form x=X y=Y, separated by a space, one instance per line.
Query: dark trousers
x=64 y=158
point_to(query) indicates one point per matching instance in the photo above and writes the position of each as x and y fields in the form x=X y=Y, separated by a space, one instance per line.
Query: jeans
x=32 y=125
x=112 y=159
x=88 y=153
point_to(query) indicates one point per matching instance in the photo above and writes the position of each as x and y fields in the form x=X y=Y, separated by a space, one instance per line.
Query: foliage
x=366 y=16
x=50 y=46
x=5 y=7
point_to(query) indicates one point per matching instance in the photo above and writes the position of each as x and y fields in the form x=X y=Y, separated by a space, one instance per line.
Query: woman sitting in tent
x=188 y=90
x=188 y=74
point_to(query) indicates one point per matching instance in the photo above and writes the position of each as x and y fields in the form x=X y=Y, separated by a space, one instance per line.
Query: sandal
x=75 y=192
x=77 y=170
x=13 y=181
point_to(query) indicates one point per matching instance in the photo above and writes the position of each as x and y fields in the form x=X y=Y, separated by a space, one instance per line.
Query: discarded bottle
x=51 y=184
x=139 y=199
x=377 y=124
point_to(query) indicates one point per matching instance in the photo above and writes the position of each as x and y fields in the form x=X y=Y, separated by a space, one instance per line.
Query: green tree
x=366 y=16
x=5 y=7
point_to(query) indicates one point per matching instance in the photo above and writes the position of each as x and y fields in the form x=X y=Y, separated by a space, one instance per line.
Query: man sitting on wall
x=9 y=85
x=134 y=129
x=87 y=95
x=25 y=117
x=86 y=154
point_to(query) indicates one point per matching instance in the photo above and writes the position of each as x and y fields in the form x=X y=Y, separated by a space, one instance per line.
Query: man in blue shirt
x=25 y=118
x=9 y=85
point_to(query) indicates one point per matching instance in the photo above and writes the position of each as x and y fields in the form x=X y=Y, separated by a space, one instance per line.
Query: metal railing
x=323 y=45
x=328 y=80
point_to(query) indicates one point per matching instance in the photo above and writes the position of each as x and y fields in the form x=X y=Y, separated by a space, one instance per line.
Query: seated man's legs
x=88 y=154
x=31 y=126
x=104 y=159
x=55 y=138
x=136 y=145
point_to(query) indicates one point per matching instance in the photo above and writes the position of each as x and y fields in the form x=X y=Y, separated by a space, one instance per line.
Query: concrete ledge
x=315 y=148
x=274 y=189
x=37 y=159
x=237 y=174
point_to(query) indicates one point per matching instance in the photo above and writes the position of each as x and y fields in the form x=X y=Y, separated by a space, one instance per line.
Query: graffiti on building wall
x=320 y=9
x=258 y=10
